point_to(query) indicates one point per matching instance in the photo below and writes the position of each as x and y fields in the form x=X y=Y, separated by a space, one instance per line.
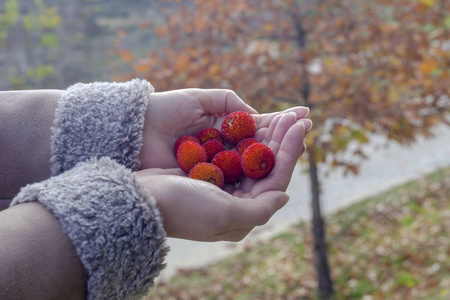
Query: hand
x=173 y=114
x=197 y=210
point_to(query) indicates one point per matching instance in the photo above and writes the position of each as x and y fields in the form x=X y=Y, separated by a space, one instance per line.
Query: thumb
x=222 y=101
x=257 y=211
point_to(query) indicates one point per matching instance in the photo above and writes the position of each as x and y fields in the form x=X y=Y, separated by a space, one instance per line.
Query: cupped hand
x=198 y=210
x=173 y=114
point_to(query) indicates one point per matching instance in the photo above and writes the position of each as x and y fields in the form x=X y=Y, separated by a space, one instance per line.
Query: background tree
x=50 y=44
x=29 y=41
x=362 y=67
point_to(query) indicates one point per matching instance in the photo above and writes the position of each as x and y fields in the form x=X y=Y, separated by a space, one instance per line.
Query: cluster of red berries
x=205 y=156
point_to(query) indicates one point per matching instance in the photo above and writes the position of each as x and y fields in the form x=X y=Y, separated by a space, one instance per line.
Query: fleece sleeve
x=113 y=223
x=99 y=119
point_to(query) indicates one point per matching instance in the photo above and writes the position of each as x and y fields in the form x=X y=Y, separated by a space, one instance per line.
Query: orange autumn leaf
x=126 y=55
x=360 y=63
x=161 y=31
x=142 y=66
x=428 y=66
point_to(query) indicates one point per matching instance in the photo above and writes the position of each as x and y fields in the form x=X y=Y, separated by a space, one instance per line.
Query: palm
x=185 y=112
x=286 y=141
x=229 y=214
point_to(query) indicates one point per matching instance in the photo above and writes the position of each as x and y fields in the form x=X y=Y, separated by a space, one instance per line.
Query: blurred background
x=376 y=75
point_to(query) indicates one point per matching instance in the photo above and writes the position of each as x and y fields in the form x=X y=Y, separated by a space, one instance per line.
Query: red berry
x=213 y=147
x=207 y=172
x=244 y=144
x=209 y=134
x=183 y=139
x=229 y=161
x=189 y=154
x=238 y=126
x=257 y=161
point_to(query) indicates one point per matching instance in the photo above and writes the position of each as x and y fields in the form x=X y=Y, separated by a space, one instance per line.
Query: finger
x=221 y=101
x=159 y=171
x=265 y=134
x=264 y=120
x=274 y=136
x=287 y=156
x=260 y=134
x=293 y=142
x=248 y=184
x=251 y=212
x=308 y=124
x=269 y=132
x=274 y=141
x=285 y=162
x=283 y=126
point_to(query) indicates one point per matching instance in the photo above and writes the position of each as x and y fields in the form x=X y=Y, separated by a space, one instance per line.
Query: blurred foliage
x=52 y=44
x=363 y=67
x=29 y=35
x=7 y=19
x=395 y=245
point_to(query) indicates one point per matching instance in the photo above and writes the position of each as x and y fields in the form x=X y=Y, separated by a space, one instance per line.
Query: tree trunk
x=325 y=284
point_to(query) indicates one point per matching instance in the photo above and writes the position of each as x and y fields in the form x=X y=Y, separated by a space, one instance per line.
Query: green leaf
x=428 y=3
x=50 y=40
x=11 y=12
x=447 y=22
x=30 y=23
x=359 y=136
x=406 y=279
x=408 y=220
x=41 y=71
x=50 y=17
x=428 y=28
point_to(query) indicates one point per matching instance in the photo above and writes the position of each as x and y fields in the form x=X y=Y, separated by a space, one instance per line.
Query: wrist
x=112 y=221
x=147 y=135
x=100 y=120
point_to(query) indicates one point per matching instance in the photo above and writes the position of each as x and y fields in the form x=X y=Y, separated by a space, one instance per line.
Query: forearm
x=47 y=132
x=37 y=259
x=26 y=118
x=112 y=222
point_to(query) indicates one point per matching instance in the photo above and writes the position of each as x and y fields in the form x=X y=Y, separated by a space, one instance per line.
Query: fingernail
x=305 y=112
x=293 y=115
x=308 y=124
x=283 y=199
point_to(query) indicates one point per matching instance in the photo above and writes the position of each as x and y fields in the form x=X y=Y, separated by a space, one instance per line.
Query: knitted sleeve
x=113 y=223
x=99 y=119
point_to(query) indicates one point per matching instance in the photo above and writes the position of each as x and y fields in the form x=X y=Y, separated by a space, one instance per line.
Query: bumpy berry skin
x=212 y=147
x=229 y=161
x=238 y=126
x=183 y=139
x=189 y=154
x=209 y=134
x=242 y=145
x=207 y=172
x=257 y=161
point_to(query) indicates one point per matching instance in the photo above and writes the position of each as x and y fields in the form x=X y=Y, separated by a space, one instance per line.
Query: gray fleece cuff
x=100 y=119
x=113 y=223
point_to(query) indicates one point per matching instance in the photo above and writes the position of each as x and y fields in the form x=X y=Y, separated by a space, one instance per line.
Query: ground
x=390 y=246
